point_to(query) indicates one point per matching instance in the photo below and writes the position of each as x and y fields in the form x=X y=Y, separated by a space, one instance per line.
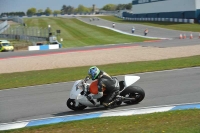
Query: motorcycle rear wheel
x=71 y=105
x=135 y=92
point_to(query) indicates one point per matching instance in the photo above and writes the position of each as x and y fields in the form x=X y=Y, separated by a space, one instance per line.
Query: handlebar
x=86 y=79
x=84 y=85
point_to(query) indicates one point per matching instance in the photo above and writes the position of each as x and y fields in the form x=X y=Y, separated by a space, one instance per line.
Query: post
x=49 y=28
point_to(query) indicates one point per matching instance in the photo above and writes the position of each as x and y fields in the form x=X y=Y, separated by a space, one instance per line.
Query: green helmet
x=93 y=72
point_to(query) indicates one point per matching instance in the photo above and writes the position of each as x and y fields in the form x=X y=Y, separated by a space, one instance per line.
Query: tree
x=64 y=9
x=81 y=8
x=31 y=11
x=90 y=9
x=19 y=13
x=124 y=6
x=67 y=9
x=129 y=6
x=109 y=7
x=56 y=12
x=40 y=11
x=13 y=14
x=48 y=11
x=120 y=7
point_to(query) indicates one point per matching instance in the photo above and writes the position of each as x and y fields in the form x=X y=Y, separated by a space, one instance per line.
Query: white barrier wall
x=154 y=6
x=43 y=47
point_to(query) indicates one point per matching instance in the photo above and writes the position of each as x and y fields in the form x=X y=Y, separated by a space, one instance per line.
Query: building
x=179 y=9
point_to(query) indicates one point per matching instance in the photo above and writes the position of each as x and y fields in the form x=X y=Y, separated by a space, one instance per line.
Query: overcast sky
x=24 y=5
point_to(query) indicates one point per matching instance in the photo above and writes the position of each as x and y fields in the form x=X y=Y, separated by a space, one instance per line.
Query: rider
x=105 y=83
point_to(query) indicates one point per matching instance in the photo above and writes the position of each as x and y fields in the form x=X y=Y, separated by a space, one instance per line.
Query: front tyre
x=71 y=105
x=135 y=92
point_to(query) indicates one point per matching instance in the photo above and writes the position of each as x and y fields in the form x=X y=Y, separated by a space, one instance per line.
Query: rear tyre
x=135 y=92
x=71 y=105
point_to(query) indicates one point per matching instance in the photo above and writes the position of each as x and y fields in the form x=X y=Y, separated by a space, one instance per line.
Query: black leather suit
x=108 y=85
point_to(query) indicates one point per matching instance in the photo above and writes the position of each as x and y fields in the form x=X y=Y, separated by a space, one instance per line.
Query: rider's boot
x=117 y=101
x=109 y=105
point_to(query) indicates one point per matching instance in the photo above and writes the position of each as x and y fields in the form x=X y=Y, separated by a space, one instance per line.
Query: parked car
x=6 y=46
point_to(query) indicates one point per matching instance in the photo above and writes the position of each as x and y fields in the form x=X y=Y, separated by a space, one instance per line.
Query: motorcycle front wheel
x=135 y=92
x=71 y=105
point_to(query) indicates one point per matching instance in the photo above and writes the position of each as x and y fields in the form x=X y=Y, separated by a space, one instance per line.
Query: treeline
x=69 y=10
x=13 y=14
x=112 y=7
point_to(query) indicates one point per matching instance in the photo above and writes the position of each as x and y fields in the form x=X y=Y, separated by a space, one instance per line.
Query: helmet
x=93 y=72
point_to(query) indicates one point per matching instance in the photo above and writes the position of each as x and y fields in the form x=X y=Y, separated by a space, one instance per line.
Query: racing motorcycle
x=128 y=94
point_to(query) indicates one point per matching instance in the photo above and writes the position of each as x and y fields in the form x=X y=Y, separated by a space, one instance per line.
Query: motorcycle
x=128 y=94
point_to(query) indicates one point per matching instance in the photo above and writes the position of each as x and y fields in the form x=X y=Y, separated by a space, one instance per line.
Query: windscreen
x=6 y=44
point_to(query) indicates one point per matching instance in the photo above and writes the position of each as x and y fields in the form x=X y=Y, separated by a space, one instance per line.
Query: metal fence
x=3 y=26
x=32 y=34
x=18 y=20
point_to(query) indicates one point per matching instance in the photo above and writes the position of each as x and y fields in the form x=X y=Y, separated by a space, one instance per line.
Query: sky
x=24 y=5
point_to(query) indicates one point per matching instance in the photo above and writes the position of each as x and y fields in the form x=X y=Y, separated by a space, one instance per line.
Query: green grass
x=20 y=79
x=76 y=33
x=168 y=25
x=186 y=121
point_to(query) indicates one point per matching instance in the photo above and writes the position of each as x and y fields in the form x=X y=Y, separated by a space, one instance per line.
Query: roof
x=5 y=41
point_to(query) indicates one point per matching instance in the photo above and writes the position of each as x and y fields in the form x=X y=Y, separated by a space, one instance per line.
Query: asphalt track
x=153 y=32
x=162 y=88
x=139 y=29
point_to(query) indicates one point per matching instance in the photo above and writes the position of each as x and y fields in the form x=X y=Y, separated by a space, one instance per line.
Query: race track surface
x=162 y=88
x=139 y=29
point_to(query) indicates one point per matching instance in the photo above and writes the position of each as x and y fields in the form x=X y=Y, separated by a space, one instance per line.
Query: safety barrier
x=162 y=20
x=178 y=20
x=44 y=47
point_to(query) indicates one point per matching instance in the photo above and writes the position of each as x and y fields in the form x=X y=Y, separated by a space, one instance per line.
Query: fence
x=32 y=34
x=3 y=26
x=18 y=20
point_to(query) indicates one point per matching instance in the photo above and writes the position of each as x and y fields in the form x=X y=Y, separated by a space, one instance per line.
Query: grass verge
x=76 y=33
x=168 y=25
x=20 y=79
x=186 y=121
